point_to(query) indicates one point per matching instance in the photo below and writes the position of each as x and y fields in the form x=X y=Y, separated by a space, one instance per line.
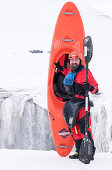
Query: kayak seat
x=58 y=86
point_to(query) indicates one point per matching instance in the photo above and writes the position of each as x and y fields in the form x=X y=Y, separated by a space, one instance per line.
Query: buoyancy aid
x=76 y=81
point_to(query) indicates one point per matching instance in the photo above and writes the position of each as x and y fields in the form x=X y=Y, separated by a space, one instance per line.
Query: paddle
x=86 y=149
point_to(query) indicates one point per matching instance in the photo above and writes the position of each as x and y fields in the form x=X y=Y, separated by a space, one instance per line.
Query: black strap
x=66 y=60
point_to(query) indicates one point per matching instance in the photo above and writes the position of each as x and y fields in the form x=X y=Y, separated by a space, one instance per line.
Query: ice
x=11 y=111
x=101 y=115
x=23 y=123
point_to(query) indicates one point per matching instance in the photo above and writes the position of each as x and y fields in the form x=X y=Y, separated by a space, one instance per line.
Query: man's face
x=74 y=63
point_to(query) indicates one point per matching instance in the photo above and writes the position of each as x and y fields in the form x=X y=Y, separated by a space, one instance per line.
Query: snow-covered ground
x=41 y=160
x=27 y=25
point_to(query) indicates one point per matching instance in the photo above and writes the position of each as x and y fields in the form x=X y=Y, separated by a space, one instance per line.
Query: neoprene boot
x=76 y=154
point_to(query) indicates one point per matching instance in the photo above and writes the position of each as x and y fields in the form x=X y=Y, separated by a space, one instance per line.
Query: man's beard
x=74 y=66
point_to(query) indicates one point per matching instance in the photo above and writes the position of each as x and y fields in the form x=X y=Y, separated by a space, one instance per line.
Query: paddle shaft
x=86 y=94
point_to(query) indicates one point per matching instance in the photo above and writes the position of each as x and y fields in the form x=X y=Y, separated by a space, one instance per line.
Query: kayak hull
x=68 y=36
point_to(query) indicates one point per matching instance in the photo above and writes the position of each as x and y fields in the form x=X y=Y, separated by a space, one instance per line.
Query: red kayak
x=68 y=36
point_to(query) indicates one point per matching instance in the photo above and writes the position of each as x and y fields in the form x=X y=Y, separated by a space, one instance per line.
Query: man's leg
x=78 y=137
x=78 y=133
x=82 y=130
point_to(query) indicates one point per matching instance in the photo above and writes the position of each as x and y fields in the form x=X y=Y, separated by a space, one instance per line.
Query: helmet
x=75 y=54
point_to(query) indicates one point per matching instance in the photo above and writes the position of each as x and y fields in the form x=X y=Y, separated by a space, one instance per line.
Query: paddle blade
x=88 y=49
x=86 y=151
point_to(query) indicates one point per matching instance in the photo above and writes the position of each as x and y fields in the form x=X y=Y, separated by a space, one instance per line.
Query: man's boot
x=76 y=154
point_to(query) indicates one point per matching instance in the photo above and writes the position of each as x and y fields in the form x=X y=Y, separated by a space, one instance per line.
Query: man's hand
x=58 y=66
x=88 y=86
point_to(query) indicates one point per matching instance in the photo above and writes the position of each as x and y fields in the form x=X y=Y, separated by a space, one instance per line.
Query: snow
x=41 y=160
x=28 y=25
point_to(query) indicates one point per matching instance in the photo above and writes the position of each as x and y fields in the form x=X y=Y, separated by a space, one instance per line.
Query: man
x=74 y=110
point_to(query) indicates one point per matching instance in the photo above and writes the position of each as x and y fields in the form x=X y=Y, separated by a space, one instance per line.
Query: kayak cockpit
x=59 y=75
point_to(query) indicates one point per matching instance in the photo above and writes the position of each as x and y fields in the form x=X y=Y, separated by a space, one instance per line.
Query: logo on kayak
x=64 y=133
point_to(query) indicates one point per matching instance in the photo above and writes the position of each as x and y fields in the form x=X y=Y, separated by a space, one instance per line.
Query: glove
x=58 y=66
x=88 y=86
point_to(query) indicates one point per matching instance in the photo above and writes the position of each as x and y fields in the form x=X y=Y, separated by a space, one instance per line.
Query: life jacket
x=77 y=80
x=69 y=78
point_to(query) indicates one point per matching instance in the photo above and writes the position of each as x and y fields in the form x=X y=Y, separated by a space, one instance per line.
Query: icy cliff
x=24 y=123
x=101 y=115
